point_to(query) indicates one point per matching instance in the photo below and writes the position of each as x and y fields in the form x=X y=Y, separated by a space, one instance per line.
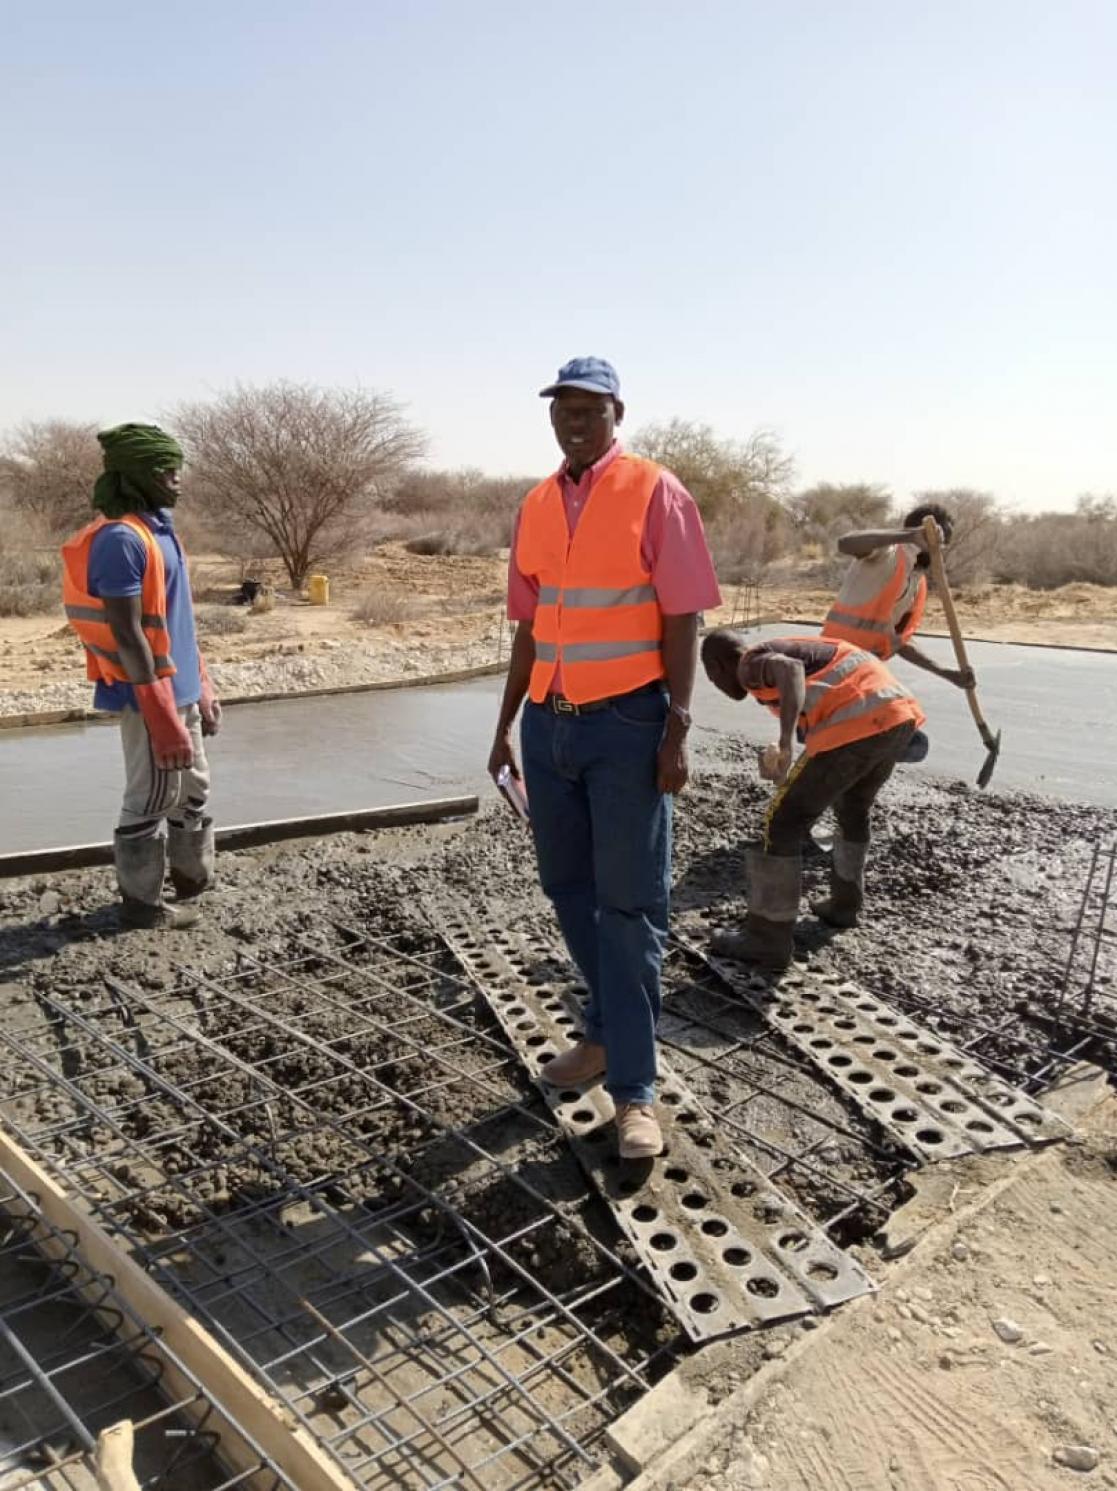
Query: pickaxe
x=991 y=742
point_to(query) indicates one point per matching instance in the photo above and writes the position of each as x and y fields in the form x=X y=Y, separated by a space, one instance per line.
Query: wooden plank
x=268 y=1422
x=247 y=835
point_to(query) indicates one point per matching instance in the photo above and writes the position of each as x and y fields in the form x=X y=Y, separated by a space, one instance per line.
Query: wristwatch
x=682 y=715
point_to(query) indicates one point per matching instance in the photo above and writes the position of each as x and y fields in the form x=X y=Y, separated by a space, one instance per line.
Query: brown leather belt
x=560 y=704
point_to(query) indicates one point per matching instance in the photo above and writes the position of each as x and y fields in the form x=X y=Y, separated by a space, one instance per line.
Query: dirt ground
x=986 y=1363
x=432 y=613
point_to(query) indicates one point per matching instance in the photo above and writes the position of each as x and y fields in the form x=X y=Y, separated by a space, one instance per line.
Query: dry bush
x=219 y=621
x=745 y=540
x=382 y=608
x=48 y=469
x=454 y=512
x=822 y=513
x=721 y=475
x=979 y=526
x=30 y=583
x=1053 y=549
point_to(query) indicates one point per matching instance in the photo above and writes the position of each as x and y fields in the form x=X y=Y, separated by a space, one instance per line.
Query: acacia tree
x=48 y=468
x=297 y=464
x=722 y=475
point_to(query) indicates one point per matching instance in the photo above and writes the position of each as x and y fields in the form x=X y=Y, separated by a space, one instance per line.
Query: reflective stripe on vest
x=853 y=697
x=87 y=615
x=597 y=615
x=870 y=624
x=97 y=613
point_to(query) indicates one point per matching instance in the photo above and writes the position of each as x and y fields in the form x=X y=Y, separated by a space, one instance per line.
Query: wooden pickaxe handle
x=938 y=570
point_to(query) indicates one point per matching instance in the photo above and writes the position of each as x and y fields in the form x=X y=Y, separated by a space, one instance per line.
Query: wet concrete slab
x=61 y=784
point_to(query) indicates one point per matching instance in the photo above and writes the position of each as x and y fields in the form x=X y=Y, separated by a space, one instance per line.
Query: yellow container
x=318 y=590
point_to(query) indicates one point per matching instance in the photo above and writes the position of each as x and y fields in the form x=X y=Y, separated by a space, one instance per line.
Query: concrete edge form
x=31 y=720
x=248 y=835
x=286 y=1443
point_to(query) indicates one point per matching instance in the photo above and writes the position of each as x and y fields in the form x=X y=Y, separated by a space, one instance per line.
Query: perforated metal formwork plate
x=726 y=1249
x=934 y=1099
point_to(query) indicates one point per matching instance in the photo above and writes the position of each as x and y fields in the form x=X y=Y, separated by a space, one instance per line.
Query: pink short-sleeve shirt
x=673 y=548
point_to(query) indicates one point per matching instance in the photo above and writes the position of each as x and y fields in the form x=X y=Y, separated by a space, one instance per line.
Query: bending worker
x=883 y=596
x=127 y=595
x=608 y=572
x=856 y=722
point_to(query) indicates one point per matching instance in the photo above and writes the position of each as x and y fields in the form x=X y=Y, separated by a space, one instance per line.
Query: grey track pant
x=152 y=795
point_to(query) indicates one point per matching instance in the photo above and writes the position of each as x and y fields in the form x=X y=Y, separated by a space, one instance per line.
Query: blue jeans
x=603 y=841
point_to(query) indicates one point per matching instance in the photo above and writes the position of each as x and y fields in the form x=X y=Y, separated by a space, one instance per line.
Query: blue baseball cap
x=593 y=374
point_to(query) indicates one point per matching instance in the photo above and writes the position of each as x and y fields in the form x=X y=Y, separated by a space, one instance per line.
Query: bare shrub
x=822 y=513
x=301 y=466
x=219 y=621
x=720 y=474
x=1053 y=549
x=743 y=542
x=455 y=512
x=382 y=608
x=979 y=525
x=30 y=583
x=48 y=469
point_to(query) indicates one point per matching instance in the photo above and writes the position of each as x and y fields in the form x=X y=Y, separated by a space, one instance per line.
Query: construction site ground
x=972 y=900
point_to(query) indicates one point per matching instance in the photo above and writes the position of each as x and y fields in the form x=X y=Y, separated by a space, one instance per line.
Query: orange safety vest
x=870 y=624
x=853 y=697
x=86 y=613
x=597 y=610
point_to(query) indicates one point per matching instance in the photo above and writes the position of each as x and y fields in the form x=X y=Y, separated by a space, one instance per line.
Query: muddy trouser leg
x=150 y=794
x=853 y=805
x=190 y=840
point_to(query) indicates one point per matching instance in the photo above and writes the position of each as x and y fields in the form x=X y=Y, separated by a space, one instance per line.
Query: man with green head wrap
x=127 y=593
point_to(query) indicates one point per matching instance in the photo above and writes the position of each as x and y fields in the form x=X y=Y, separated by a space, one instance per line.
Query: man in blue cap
x=608 y=573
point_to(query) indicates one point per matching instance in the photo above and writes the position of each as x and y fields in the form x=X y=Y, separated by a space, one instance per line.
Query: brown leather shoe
x=583 y=1062
x=638 y=1131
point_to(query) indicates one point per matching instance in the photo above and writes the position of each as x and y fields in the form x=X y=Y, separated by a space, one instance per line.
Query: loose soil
x=428 y=614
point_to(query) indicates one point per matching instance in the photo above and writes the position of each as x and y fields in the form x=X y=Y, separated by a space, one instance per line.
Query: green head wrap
x=134 y=454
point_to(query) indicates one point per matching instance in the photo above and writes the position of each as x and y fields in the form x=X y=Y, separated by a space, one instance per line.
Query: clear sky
x=886 y=230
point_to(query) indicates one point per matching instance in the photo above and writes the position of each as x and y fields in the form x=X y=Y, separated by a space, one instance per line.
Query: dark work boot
x=140 y=865
x=775 y=882
x=847 y=885
x=190 y=852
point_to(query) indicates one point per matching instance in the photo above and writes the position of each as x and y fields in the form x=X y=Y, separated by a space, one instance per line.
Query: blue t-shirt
x=117 y=560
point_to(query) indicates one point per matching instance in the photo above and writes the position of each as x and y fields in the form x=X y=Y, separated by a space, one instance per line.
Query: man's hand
x=962 y=678
x=503 y=755
x=919 y=539
x=208 y=704
x=775 y=763
x=211 y=715
x=672 y=769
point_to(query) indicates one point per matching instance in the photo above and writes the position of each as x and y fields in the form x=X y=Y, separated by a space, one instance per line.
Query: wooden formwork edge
x=238 y=1400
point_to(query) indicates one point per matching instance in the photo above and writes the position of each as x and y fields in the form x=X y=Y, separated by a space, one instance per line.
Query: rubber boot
x=847 y=885
x=190 y=852
x=775 y=883
x=140 y=865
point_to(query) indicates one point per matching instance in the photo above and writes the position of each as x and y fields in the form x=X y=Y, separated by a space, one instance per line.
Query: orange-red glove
x=170 y=739
x=208 y=704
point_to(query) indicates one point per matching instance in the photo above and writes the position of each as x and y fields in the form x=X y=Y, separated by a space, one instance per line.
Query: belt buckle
x=564 y=706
